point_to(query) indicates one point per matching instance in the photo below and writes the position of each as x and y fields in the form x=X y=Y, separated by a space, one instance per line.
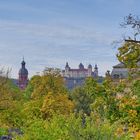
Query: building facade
x=120 y=71
x=81 y=72
x=23 y=76
x=76 y=77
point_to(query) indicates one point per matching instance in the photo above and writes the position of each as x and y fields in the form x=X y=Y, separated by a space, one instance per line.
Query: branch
x=134 y=41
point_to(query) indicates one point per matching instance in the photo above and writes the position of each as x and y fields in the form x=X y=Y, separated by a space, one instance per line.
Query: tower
x=95 y=71
x=81 y=66
x=89 y=70
x=67 y=68
x=23 y=76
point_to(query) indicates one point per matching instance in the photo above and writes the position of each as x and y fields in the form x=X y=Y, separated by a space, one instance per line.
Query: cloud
x=56 y=32
x=51 y=45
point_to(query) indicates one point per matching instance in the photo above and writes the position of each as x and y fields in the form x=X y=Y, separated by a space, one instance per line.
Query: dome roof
x=96 y=67
x=89 y=66
x=23 y=62
x=23 y=71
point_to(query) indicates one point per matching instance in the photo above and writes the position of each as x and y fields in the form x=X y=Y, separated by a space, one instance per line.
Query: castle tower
x=81 y=66
x=96 y=71
x=23 y=76
x=89 y=70
x=67 y=68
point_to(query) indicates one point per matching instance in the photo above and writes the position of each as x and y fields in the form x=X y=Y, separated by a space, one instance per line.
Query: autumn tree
x=129 y=54
x=10 y=102
x=5 y=94
x=56 y=104
x=50 y=81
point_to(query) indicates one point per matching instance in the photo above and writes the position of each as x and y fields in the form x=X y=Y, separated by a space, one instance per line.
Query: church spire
x=23 y=75
x=23 y=63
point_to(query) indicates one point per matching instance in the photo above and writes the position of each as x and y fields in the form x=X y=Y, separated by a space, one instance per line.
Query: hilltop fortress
x=80 y=72
x=76 y=77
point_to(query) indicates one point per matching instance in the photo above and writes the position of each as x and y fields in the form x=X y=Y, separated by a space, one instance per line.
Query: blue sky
x=52 y=32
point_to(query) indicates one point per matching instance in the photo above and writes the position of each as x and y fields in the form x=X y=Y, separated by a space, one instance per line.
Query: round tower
x=89 y=70
x=23 y=76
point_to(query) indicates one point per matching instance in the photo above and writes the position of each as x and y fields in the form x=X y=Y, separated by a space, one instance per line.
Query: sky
x=49 y=33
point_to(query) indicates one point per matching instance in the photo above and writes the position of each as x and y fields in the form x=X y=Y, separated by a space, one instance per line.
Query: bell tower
x=23 y=76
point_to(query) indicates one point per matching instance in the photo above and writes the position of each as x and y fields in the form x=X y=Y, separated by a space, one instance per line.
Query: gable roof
x=120 y=65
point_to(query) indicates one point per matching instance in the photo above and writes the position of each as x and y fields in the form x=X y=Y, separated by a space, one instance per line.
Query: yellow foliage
x=119 y=131
x=56 y=104
x=132 y=113
x=129 y=54
x=42 y=85
x=137 y=137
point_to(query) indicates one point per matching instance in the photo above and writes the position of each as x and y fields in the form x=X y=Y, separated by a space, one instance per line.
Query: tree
x=56 y=104
x=5 y=94
x=50 y=81
x=10 y=102
x=82 y=100
x=129 y=54
x=133 y=22
x=86 y=95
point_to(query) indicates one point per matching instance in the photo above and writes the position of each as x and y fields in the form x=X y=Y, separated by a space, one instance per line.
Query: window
x=116 y=76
